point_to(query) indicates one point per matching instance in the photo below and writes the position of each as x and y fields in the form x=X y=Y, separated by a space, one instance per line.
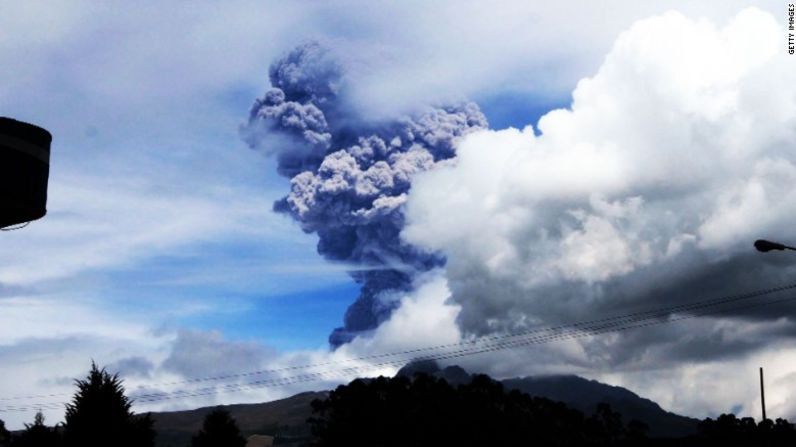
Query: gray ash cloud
x=350 y=176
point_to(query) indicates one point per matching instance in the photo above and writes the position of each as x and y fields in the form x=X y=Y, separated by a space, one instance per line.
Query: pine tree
x=100 y=415
x=218 y=430
x=37 y=435
x=5 y=435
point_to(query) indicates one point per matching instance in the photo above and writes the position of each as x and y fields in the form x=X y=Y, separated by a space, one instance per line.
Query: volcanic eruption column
x=349 y=176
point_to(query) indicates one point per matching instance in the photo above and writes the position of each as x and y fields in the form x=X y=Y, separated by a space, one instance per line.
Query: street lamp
x=24 y=170
x=764 y=246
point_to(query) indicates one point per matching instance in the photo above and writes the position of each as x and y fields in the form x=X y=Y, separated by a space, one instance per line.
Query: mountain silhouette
x=578 y=393
x=286 y=418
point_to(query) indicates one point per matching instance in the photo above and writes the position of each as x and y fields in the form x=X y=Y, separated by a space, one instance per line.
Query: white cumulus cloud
x=671 y=160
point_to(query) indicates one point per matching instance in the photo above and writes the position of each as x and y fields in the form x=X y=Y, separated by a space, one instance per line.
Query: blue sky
x=273 y=289
x=160 y=229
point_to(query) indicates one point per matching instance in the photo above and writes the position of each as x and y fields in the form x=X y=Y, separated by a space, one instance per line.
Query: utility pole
x=762 y=393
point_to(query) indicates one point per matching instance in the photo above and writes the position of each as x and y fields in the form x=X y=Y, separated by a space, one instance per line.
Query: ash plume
x=350 y=177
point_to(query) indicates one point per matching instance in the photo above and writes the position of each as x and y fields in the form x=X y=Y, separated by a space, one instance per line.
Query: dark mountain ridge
x=286 y=418
x=584 y=395
x=578 y=393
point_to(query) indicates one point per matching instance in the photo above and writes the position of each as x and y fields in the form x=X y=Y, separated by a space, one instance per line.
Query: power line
x=662 y=311
x=595 y=330
x=594 y=326
x=478 y=346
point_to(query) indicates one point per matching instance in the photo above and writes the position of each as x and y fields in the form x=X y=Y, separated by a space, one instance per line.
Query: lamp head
x=24 y=171
x=765 y=246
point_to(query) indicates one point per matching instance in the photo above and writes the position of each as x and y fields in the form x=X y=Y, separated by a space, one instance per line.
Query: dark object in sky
x=764 y=246
x=24 y=171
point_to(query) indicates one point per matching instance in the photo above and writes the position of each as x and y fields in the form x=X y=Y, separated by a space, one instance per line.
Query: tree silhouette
x=427 y=411
x=637 y=431
x=5 y=435
x=37 y=435
x=728 y=430
x=100 y=415
x=608 y=424
x=218 y=430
